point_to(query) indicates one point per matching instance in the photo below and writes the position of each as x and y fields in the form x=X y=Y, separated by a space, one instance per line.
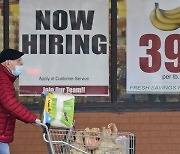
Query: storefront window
x=14 y=43
x=122 y=95
x=121 y=66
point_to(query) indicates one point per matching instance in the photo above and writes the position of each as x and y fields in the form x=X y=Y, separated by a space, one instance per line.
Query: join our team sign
x=153 y=46
x=66 y=46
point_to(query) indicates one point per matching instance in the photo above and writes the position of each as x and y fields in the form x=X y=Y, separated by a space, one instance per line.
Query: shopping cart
x=71 y=141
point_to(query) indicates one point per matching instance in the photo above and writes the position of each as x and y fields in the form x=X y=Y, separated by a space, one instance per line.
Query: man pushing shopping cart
x=62 y=138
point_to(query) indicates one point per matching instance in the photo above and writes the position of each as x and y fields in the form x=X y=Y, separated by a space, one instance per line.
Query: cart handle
x=46 y=132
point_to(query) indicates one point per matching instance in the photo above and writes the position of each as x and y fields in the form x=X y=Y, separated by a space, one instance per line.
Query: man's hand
x=37 y=121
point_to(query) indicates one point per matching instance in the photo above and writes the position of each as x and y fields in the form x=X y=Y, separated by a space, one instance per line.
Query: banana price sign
x=153 y=46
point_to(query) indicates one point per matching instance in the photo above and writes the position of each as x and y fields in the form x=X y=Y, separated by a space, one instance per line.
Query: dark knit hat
x=10 y=54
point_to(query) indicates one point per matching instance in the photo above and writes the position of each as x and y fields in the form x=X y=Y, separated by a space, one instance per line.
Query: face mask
x=18 y=70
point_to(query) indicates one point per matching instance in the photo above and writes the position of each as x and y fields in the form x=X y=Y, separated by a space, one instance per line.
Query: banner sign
x=66 y=46
x=153 y=46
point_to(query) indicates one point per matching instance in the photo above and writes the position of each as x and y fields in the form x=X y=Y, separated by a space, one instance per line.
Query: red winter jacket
x=10 y=108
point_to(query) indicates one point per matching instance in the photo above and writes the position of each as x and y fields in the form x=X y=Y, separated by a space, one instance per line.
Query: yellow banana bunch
x=166 y=20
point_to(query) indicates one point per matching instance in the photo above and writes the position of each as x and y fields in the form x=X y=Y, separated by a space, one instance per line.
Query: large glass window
x=122 y=95
x=121 y=66
x=13 y=43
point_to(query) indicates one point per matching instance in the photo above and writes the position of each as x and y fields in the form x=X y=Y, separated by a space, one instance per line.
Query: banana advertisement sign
x=153 y=46
x=66 y=47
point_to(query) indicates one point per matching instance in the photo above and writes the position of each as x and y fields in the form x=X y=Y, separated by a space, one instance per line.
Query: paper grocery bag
x=58 y=109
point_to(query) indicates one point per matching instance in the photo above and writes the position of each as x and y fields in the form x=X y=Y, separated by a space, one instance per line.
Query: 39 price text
x=153 y=62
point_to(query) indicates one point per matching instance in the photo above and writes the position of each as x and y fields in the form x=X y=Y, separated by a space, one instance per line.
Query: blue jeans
x=4 y=148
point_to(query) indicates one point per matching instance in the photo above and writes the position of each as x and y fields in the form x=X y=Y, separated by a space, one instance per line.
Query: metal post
x=6 y=24
x=113 y=51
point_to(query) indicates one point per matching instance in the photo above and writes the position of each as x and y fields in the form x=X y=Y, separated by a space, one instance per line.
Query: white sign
x=66 y=46
x=153 y=46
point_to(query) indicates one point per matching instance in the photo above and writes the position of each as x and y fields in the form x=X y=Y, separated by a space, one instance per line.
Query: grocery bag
x=58 y=109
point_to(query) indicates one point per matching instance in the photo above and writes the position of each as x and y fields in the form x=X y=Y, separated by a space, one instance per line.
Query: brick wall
x=155 y=132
